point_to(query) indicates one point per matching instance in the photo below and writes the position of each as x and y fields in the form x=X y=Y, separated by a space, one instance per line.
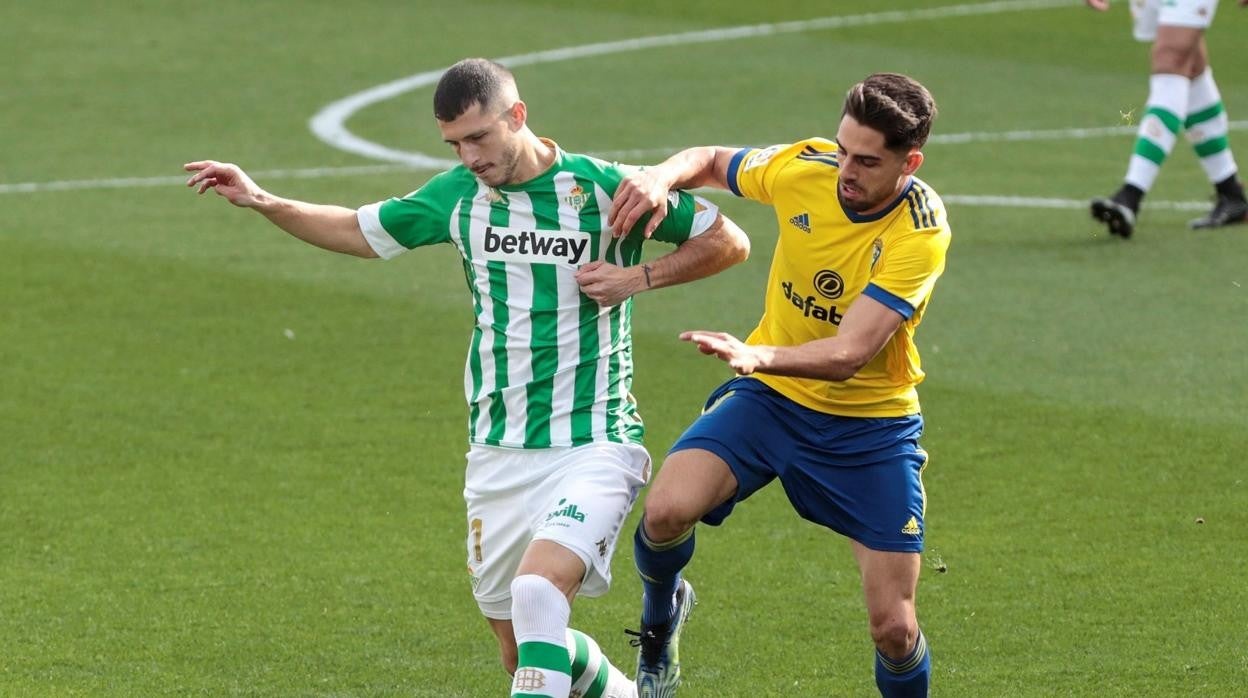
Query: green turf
x=231 y=464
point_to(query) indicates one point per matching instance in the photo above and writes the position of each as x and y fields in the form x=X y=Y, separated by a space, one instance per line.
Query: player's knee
x=1172 y=60
x=530 y=590
x=894 y=635
x=666 y=518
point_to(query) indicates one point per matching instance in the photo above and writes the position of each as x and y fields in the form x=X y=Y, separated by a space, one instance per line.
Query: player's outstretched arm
x=863 y=332
x=646 y=190
x=721 y=246
x=1103 y=5
x=333 y=228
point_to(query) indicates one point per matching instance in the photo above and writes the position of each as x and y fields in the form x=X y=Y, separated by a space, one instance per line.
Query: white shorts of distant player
x=576 y=496
x=1150 y=14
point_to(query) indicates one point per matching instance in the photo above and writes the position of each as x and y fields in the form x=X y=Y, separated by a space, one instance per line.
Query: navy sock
x=907 y=678
x=659 y=565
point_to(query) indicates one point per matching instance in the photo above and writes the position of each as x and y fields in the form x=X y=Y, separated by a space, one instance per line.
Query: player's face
x=871 y=175
x=486 y=141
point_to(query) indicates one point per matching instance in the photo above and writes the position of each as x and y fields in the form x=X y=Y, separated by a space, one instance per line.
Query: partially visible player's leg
x=889 y=581
x=1175 y=54
x=1207 y=130
x=579 y=510
x=549 y=576
x=863 y=479
x=721 y=459
x=496 y=536
x=543 y=535
x=1159 y=128
x=691 y=483
x=593 y=675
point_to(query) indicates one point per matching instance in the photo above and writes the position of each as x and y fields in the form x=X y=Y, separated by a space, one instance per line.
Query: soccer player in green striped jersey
x=555 y=460
x=1182 y=97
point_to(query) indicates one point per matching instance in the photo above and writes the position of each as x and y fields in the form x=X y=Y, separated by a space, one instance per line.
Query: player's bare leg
x=889 y=582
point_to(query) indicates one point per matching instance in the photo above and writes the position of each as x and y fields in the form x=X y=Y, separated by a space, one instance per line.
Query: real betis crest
x=576 y=198
x=495 y=196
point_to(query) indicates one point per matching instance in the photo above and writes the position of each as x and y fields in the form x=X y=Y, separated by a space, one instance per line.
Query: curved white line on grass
x=329 y=124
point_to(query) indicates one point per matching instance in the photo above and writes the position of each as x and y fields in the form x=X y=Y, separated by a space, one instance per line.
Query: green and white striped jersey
x=546 y=365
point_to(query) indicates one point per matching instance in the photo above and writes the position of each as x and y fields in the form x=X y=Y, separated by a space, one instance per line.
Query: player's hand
x=639 y=193
x=227 y=180
x=609 y=285
x=742 y=357
x=1103 y=5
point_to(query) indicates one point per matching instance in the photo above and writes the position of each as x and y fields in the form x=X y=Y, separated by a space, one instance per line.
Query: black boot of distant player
x=1231 y=207
x=1118 y=211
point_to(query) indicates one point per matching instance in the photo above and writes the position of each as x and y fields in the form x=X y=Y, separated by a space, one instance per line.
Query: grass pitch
x=231 y=464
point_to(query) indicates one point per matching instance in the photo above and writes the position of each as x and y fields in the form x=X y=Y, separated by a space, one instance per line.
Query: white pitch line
x=972 y=200
x=329 y=124
x=1051 y=134
x=986 y=201
x=632 y=155
x=164 y=181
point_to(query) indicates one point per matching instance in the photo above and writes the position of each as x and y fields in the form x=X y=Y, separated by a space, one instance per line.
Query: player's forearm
x=828 y=359
x=691 y=168
x=333 y=228
x=720 y=247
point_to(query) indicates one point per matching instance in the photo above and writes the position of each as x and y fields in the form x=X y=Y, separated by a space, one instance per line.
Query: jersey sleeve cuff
x=734 y=165
x=703 y=219
x=369 y=217
x=894 y=303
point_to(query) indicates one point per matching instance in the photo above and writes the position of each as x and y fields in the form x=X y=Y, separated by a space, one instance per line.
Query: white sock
x=1206 y=126
x=592 y=673
x=539 y=617
x=1159 y=127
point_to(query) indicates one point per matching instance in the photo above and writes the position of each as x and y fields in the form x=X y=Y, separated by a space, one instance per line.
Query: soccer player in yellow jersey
x=825 y=395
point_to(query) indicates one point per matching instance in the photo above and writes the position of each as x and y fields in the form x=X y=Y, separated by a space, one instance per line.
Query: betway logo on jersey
x=809 y=305
x=532 y=246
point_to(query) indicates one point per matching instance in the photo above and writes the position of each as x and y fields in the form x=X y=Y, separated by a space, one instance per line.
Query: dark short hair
x=470 y=81
x=896 y=106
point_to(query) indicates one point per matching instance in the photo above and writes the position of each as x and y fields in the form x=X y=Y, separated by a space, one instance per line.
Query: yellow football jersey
x=826 y=256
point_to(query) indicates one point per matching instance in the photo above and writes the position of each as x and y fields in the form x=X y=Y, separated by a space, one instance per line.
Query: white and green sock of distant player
x=1206 y=128
x=1159 y=128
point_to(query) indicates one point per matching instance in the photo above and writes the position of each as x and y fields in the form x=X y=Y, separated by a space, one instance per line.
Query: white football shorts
x=575 y=496
x=1147 y=15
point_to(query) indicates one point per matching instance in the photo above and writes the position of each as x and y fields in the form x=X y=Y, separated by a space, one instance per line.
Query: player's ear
x=517 y=115
x=913 y=159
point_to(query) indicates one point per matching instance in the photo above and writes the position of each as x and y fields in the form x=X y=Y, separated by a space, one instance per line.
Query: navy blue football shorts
x=859 y=476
